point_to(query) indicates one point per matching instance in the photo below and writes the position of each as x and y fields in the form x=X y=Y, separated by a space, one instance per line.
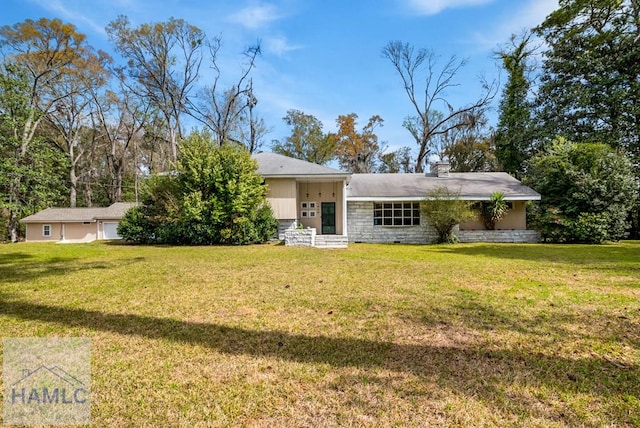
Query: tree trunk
x=118 y=184
x=13 y=225
x=73 y=183
x=88 y=192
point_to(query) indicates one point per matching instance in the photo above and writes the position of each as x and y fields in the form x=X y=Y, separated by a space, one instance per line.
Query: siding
x=282 y=197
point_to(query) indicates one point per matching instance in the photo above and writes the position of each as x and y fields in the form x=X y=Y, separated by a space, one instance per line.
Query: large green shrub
x=216 y=196
x=588 y=191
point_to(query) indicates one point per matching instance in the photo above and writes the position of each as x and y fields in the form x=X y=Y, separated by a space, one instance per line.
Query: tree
x=164 y=58
x=357 y=152
x=121 y=116
x=216 y=197
x=29 y=179
x=588 y=191
x=590 y=83
x=397 y=161
x=307 y=140
x=514 y=136
x=472 y=154
x=229 y=113
x=468 y=148
x=428 y=122
x=40 y=56
x=71 y=117
x=444 y=210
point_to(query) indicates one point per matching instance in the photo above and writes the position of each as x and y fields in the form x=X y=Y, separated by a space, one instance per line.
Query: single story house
x=75 y=224
x=340 y=207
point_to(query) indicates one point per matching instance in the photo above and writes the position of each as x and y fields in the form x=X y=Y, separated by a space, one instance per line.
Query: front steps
x=331 y=241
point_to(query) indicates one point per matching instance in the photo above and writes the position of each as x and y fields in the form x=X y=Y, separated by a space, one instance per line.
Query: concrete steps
x=331 y=241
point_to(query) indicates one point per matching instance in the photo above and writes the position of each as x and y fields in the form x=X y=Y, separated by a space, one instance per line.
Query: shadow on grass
x=623 y=252
x=475 y=371
x=25 y=267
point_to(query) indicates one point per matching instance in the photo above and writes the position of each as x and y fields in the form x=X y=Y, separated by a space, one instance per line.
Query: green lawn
x=374 y=335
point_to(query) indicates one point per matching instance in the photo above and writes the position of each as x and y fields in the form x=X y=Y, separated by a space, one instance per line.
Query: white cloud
x=279 y=45
x=58 y=8
x=531 y=14
x=433 y=7
x=256 y=16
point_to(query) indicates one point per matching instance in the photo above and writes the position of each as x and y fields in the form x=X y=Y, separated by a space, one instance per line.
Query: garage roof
x=58 y=215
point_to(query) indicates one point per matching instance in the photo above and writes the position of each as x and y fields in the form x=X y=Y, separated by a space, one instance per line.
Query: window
x=396 y=214
x=46 y=230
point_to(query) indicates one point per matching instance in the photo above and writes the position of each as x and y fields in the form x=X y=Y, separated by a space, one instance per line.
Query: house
x=335 y=207
x=307 y=194
x=75 y=224
x=321 y=206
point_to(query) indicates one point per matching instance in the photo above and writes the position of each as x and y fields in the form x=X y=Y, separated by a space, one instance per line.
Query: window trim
x=47 y=231
x=396 y=214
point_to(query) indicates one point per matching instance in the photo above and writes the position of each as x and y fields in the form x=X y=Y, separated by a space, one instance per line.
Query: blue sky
x=323 y=56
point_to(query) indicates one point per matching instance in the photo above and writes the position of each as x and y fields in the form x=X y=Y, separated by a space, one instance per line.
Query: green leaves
x=215 y=197
x=444 y=210
x=583 y=186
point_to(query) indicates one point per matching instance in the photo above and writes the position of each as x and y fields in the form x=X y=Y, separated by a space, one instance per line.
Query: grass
x=374 y=335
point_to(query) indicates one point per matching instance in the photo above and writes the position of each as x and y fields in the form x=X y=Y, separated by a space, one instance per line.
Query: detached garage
x=75 y=224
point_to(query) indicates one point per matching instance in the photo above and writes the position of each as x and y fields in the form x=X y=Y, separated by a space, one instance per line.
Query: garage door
x=110 y=231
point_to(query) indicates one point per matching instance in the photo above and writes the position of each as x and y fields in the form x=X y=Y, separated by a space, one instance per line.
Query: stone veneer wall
x=284 y=225
x=515 y=236
x=361 y=229
x=300 y=237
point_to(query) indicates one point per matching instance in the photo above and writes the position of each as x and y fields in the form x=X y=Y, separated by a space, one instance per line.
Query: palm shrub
x=494 y=210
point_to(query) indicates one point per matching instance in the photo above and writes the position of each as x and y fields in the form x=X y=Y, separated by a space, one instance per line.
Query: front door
x=328 y=218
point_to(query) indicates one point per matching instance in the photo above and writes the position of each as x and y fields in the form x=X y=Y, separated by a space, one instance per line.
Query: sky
x=323 y=57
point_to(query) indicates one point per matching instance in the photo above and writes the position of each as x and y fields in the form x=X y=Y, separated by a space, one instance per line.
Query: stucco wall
x=34 y=232
x=318 y=193
x=79 y=232
x=361 y=229
x=73 y=232
x=516 y=219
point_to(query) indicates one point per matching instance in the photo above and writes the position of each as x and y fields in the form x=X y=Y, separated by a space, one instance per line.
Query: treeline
x=79 y=127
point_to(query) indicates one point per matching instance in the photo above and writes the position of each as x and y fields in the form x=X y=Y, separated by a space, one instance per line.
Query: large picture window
x=396 y=214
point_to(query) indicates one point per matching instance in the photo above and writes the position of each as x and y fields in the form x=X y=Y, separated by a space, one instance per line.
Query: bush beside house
x=216 y=196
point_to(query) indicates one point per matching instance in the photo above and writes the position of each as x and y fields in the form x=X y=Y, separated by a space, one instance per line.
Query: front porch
x=309 y=238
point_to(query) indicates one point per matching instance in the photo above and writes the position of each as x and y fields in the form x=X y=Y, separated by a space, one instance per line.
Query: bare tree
x=434 y=114
x=164 y=58
x=226 y=111
x=121 y=116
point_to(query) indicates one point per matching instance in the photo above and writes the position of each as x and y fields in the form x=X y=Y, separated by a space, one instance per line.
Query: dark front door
x=328 y=218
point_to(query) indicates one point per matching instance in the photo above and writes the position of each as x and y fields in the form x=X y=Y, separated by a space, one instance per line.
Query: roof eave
x=422 y=198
